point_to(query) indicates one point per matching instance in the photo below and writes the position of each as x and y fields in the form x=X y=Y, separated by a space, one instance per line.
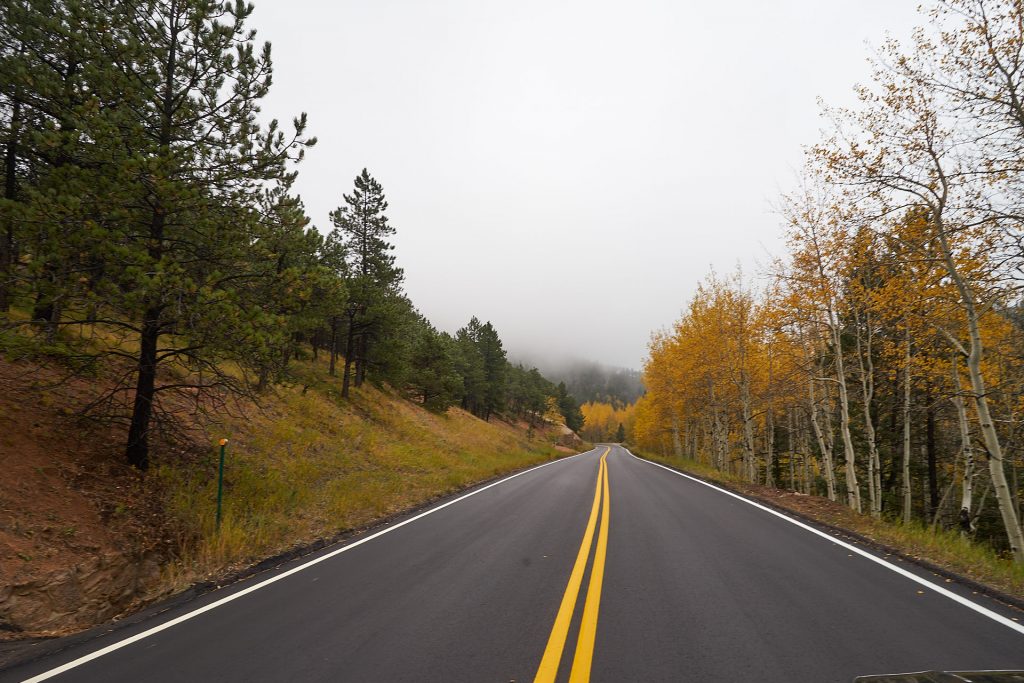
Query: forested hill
x=139 y=242
x=593 y=382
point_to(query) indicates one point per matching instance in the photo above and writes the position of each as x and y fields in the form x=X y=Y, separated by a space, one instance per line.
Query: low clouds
x=568 y=170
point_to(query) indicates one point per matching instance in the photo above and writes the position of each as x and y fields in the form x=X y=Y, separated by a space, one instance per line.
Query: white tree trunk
x=867 y=385
x=1014 y=533
x=981 y=504
x=966 y=453
x=723 y=442
x=749 y=448
x=707 y=448
x=823 y=446
x=942 y=502
x=792 y=449
x=852 y=487
x=716 y=431
x=906 y=430
x=677 y=444
x=805 y=443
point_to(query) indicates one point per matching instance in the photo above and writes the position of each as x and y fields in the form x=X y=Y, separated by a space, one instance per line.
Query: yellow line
x=588 y=627
x=548 y=668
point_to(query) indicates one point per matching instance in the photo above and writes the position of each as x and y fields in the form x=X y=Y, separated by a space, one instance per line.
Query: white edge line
x=984 y=611
x=266 y=582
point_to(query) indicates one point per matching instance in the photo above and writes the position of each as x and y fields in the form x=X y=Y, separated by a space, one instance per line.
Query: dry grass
x=307 y=465
x=303 y=465
x=938 y=546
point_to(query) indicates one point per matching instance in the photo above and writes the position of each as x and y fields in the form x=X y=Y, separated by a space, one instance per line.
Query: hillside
x=84 y=537
x=592 y=382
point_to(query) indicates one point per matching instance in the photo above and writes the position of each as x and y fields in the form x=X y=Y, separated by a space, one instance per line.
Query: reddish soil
x=66 y=494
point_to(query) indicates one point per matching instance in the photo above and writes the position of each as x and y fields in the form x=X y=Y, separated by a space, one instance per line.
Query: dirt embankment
x=82 y=536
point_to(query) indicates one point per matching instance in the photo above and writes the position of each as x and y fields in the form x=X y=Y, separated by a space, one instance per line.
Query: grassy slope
x=940 y=547
x=303 y=465
x=307 y=464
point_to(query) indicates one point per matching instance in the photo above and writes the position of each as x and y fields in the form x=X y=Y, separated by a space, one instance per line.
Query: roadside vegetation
x=308 y=463
x=881 y=365
x=161 y=287
x=86 y=536
x=148 y=224
x=607 y=421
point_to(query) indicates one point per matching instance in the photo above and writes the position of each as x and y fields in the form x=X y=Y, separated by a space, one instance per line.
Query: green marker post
x=220 y=480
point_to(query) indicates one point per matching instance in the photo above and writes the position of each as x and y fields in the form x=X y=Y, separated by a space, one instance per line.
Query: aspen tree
x=815 y=234
x=860 y=305
x=902 y=153
x=966 y=450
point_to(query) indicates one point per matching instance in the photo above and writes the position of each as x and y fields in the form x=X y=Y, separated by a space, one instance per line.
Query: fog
x=567 y=170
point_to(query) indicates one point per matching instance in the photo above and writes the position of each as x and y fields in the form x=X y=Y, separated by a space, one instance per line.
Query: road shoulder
x=836 y=520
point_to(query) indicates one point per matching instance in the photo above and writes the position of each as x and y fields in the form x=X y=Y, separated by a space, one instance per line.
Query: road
x=599 y=566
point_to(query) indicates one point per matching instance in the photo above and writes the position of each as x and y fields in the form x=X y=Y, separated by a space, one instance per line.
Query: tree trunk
x=721 y=442
x=849 y=456
x=1014 y=533
x=966 y=453
x=792 y=452
x=867 y=386
x=137 y=451
x=749 y=457
x=769 y=457
x=707 y=443
x=942 y=503
x=823 y=447
x=677 y=445
x=10 y=194
x=361 y=363
x=45 y=310
x=334 y=345
x=906 y=430
x=346 y=374
x=933 y=470
x=981 y=506
x=717 y=431
x=805 y=448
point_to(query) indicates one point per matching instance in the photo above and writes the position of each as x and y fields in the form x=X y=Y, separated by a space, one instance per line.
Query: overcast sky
x=568 y=170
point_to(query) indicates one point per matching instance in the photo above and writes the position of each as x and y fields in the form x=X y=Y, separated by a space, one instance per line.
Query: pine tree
x=54 y=111
x=198 y=160
x=373 y=280
x=292 y=282
x=569 y=407
x=434 y=378
x=469 y=363
x=145 y=201
x=494 y=365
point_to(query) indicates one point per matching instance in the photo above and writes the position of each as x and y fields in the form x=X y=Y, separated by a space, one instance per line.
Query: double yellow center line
x=584 y=654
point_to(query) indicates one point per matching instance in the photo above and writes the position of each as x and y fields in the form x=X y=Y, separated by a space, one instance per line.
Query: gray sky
x=568 y=170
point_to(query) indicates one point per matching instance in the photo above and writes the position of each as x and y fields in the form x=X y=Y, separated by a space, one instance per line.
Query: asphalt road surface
x=598 y=567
